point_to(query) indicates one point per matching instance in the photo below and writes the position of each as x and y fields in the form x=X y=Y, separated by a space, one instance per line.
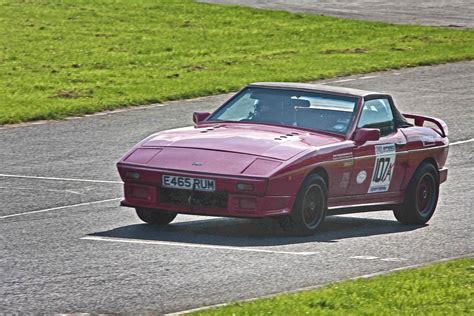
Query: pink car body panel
x=275 y=160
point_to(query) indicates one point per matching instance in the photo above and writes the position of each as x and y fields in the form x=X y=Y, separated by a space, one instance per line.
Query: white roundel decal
x=361 y=176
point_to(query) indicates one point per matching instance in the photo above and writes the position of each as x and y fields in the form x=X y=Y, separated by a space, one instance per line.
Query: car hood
x=250 y=139
x=228 y=149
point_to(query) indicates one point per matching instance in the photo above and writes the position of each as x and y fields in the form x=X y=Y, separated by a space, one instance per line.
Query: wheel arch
x=321 y=171
x=431 y=161
x=427 y=160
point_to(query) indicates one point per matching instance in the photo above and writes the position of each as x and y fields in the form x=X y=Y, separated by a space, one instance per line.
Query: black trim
x=360 y=209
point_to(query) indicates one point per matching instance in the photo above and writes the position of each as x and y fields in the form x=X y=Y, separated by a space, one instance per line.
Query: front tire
x=309 y=209
x=155 y=217
x=421 y=197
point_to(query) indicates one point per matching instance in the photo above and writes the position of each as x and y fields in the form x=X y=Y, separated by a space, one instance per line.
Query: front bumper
x=226 y=201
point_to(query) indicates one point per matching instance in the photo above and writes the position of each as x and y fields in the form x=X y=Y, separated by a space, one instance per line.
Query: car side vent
x=281 y=137
x=207 y=130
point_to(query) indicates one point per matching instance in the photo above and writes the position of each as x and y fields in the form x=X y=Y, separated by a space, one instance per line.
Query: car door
x=379 y=166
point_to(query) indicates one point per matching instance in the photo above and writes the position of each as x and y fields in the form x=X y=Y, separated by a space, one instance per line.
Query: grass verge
x=439 y=289
x=73 y=57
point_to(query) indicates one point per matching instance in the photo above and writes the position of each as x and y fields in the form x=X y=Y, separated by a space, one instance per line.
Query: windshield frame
x=346 y=134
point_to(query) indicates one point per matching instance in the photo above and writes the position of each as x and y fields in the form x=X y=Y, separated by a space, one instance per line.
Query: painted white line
x=368 y=77
x=342 y=80
x=315 y=287
x=58 y=179
x=462 y=142
x=37 y=189
x=394 y=259
x=59 y=208
x=191 y=245
x=364 y=257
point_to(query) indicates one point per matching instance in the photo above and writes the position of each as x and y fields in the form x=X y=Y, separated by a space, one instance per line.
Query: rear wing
x=420 y=120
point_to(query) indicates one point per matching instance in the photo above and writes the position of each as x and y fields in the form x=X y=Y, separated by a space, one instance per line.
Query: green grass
x=438 y=289
x=63 y=58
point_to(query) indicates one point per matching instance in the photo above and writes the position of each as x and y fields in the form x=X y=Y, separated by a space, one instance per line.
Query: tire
x=155 y=217
x=421 y=196
x=309 y=209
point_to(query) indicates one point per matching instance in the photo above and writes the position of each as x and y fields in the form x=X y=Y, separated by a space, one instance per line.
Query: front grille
x=194 y=198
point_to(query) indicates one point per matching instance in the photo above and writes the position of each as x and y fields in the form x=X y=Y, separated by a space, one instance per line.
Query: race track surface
x=452 y=13
x=66 y=245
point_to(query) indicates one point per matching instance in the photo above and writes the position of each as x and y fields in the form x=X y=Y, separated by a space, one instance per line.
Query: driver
x=264 y=111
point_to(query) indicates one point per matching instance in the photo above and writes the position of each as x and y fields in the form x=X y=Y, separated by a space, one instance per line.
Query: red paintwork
x=198 y=117
x=366 y=134
x=276 y=160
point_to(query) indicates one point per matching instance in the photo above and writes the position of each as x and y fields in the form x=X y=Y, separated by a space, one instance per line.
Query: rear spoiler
x=420 y=120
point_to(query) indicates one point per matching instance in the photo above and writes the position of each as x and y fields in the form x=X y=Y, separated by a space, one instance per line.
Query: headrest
x=300 y=103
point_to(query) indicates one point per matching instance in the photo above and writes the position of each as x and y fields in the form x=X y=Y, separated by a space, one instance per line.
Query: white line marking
x=364 y=257
x=58 y=179
x=394 y=259
x=36 y=189
x=60 y=208
x=342 y=80
x=190 y=245
x=368 y=77
x=462 y=142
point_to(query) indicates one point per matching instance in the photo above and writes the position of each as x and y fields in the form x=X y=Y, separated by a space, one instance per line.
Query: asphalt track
x=66 y=245
x=451 y=13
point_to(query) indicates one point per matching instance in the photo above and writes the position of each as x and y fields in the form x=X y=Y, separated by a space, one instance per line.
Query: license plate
x=188 y=183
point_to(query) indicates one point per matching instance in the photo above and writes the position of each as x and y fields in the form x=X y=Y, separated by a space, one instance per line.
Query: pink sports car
x=295 y=152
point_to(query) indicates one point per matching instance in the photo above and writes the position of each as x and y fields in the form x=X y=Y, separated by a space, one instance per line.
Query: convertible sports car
x=296 y=152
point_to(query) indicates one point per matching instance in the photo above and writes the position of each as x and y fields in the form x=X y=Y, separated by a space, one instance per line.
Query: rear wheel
x=155 y=217
x=309 y=209
x=421 y=197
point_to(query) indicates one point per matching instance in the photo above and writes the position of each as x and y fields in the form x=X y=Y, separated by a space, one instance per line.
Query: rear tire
x=421 y=196
x=309 y=209
x=154 y=216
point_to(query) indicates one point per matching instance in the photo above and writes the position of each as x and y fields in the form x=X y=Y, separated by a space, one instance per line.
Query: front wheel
x=155 y=217
x=421 y=197
x=309 y=209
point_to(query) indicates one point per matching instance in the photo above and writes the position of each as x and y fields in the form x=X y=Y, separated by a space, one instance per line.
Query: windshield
x=317 y=111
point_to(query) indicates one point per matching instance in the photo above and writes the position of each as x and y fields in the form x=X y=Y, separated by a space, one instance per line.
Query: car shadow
x=255 y=232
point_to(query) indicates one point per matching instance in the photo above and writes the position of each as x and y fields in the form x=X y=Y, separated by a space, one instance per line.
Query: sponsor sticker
x=361 y=176
x=345 y=180
x=428 y=141
x=383 y=169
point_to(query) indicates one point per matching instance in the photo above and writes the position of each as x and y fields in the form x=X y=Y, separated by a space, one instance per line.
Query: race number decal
x=383 y=169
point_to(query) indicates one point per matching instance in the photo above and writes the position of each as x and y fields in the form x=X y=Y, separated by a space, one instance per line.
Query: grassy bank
x=438 y=289
x=62 y=58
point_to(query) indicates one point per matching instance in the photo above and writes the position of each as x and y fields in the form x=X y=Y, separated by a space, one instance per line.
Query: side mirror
x=198 y=117
x=363 y=135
